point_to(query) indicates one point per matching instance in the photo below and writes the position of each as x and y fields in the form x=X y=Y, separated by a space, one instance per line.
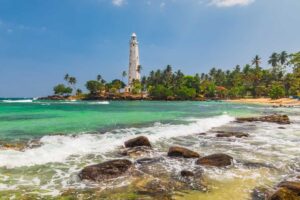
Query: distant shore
x=268 y=101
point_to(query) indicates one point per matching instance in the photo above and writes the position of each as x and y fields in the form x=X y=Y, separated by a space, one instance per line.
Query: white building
x=134 y=61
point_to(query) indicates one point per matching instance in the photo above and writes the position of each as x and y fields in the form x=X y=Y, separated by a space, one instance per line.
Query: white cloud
x=229 y=3
x=118 y=2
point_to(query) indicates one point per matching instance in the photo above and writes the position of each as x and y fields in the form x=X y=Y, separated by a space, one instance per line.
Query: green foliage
x=160 y=92
x=61 y=89
x=276 y=91
x=136 y=87
x=185 y=93
x=94 y=87
x=250 y=80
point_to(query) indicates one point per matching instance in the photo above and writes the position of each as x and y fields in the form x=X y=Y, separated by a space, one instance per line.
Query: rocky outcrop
x=182 y=152
x=137 y=142
x=216 y=160
x=287 y=190
x=154 y=187
x=231 y=134
x=54 y=98
x=279 y=119
x=106 y=170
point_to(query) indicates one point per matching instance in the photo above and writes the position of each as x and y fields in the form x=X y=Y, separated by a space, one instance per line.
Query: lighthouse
x=134 y=61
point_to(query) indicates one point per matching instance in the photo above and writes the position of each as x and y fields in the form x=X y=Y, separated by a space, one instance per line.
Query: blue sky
x=41 y=40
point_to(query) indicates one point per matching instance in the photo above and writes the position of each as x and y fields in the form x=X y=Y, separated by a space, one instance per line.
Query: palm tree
x=72 y=80
x=283 y=58
x=273 y=60
x=66 y=78
x=139 y=68
x=99 y=77
x=124 y=74
x=256 y=61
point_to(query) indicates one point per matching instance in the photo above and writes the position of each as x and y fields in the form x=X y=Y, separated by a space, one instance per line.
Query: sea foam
x=18 y=101
x=60 y=148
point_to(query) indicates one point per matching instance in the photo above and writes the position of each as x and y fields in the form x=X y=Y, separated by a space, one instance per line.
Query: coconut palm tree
x=283 y=58
x=139 y=68
x=124 y=74
x=273 y=60
x=66 y=78
x=72 y=80
x=99 y=77
x=256 y=61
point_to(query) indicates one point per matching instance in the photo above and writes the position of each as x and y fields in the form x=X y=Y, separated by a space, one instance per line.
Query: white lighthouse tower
x=134 y=61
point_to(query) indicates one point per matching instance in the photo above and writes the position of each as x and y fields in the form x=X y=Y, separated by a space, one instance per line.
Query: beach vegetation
x=62 y=90
x=281 y=79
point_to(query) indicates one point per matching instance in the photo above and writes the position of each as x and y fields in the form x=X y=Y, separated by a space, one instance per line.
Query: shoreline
x=267 y=101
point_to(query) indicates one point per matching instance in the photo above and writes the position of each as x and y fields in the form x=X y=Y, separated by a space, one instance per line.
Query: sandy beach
x=269 y=101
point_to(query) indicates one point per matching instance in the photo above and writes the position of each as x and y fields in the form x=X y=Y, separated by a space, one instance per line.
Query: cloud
x=230 y=3
x=118 y=2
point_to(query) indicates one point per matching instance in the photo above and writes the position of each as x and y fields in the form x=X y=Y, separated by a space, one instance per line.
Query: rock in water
x=232 y=134
x=291 y=185
x=186 y=173
x=106 y=170
x=182 y=152
x=279 y=119
x=217 y=160
x=286 y=190
x=137 y=142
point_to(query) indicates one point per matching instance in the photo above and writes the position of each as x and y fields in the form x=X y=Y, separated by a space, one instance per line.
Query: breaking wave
x=59 y=148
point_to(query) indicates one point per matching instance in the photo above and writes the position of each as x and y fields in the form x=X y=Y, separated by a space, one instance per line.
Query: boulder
x=148 y=160
x=137 y=142
x=279 y=119
x=291 y=185
x=217 y=160
x=284 y=194
x=136 y=152
x=106 y=170
x=186 y=173
x=152 y=187
x=232 y=134
x=182 y=152
x=287 y=190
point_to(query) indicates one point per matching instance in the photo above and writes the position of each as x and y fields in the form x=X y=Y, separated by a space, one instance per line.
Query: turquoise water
x=26 y=120
x=72 y=134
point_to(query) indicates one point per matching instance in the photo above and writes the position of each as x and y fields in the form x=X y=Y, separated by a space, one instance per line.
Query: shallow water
x=73 y=134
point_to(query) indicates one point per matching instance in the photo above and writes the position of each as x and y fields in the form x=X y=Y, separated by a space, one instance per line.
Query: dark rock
x=148 y=160
x=217 y=160
x=54 y=98
x=279 y=119
x=153 y=187
x=281 y=127
x=137 y=142
x=287 y=190
x=182 y=152
x=257 y=165
x=186 y=173
x=232 y=134
x=106 y=170
x=284 y=194
x=291 y=185
x=135 y=152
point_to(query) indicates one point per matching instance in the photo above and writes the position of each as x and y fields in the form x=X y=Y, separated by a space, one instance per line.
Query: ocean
x=44 y=144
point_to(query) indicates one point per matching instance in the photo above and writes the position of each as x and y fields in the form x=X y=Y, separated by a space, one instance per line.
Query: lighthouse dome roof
x=133 y=35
